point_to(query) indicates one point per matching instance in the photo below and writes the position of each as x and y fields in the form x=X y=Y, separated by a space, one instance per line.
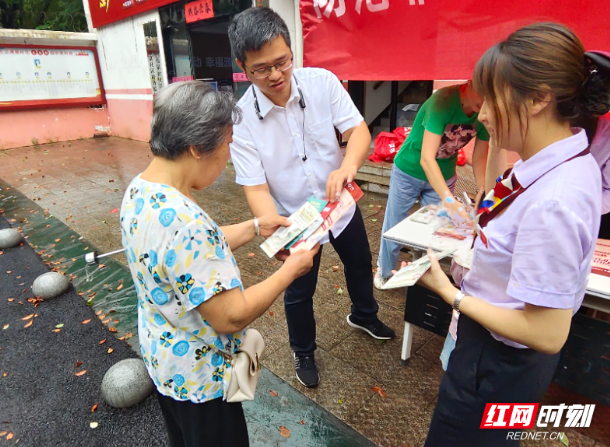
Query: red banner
x=104 y=12
x=430 y=39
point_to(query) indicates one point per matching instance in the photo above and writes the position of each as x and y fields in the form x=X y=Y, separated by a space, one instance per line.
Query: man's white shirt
x=271 y=150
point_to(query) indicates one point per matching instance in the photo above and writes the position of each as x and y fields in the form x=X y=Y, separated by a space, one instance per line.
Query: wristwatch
x=456 y=301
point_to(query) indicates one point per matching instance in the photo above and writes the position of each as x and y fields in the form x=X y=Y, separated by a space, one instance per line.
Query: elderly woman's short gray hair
x=190 y=114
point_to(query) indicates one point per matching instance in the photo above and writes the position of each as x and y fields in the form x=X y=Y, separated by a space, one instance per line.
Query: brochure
x=410 y=274
x=331 y=213
x=601 y=258
x=301 y=220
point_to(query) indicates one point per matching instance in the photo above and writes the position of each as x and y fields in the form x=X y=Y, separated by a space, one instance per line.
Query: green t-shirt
x=441 y=114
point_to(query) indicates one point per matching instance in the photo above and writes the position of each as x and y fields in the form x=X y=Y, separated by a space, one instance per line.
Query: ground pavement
x=81 y=184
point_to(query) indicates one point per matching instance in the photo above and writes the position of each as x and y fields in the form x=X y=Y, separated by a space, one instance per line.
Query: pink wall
x=37 y=126
x=130 y=118
x=130 y=111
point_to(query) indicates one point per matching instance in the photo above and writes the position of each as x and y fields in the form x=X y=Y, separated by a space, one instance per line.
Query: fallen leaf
x=284 y=432
x=115 y=210
x=81 y=373
x=78 y=363
x=9 y=436
x=112 y=329
x=302 y=422
x=4 y=374
x=271 y=313
x=335 y=268
x=102 y=266
x=340 y=401
x=5 y=326
x=339 y=291
x=102 y=342
x=93 y=424
x=251 y=254
x=379 y=391
x=405 y=445
x=98 y=312
x=9 y=271
x=86 y=321
x=29 y=324
x=373 y=220
x=59 y=326
x=56 y=330
x=2 y=433
x=110 y=350
x=93 y=408
x=57 y=240
x=120 y=287
x=10 y=300
x=28 y=317
x=273 y=393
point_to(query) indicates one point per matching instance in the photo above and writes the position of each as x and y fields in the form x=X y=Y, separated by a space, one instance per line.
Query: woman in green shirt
x=425 y=165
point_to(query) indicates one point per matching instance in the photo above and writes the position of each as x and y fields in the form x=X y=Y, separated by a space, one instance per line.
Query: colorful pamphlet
x=601 y=258
x=411 y=273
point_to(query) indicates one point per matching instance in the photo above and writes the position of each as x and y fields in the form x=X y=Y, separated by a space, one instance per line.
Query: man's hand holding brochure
x=312 y=222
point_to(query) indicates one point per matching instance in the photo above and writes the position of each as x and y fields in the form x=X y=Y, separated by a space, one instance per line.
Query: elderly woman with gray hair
x=193 y=309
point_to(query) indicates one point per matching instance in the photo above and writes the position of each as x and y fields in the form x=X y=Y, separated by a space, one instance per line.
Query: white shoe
x=379 y=282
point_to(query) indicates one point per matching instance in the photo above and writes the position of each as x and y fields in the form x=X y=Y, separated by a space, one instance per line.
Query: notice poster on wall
x=32 y=76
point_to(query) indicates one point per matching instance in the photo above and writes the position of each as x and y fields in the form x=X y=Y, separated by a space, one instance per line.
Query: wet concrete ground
x=82 y=184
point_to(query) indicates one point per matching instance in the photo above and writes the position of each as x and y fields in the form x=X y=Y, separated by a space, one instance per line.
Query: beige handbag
x=246 y=367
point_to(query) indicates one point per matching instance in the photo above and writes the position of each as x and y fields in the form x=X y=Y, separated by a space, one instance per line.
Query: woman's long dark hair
x=542 y=59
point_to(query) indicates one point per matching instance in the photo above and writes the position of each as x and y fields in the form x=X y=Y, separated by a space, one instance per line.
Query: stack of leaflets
x=601 y=258
x=410 y=274
x=425 y=215
x=312 y=222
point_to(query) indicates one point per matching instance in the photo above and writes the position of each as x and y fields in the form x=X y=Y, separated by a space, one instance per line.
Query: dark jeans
x=212 y=423
x=353 y=248
x=481 y=370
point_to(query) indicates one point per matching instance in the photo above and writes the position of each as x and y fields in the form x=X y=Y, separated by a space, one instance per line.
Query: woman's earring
x=198 y=158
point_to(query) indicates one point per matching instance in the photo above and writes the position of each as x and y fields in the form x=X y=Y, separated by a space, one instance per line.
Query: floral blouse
x=178 y=258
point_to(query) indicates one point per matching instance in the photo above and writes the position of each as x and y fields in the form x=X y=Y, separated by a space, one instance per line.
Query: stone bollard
x=50 y=285
x=10 y=238
x=126 y=384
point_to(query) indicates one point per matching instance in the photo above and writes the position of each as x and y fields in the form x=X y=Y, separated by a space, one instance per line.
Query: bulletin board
x=44 y=76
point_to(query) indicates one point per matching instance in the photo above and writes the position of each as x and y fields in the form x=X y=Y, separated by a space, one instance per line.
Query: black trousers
x=483 y=370
x=604 y=228
x=353 y=248
x=215 y=423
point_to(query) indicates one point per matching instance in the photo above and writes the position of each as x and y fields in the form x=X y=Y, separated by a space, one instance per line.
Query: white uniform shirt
x=271 y=150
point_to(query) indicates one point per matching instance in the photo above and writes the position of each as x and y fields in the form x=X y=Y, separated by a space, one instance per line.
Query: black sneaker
x=375 y=329
x=306 y=371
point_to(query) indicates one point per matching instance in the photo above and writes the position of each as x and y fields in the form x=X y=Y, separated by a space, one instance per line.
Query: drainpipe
x=298 y=38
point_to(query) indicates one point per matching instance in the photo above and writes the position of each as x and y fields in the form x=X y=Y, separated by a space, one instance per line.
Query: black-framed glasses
x=265 y=72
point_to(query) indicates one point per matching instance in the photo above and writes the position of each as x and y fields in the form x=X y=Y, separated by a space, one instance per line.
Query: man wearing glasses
x=284 y=151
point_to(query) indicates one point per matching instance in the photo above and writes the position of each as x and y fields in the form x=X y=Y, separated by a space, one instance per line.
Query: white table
x=418 y=237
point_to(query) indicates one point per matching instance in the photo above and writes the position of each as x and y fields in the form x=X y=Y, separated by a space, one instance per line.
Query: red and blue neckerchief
x=507 y=189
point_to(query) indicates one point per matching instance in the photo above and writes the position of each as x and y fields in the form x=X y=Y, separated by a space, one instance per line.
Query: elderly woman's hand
x=269 y=224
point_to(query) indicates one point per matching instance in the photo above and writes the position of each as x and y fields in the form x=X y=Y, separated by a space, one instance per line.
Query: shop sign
x=199 y=10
